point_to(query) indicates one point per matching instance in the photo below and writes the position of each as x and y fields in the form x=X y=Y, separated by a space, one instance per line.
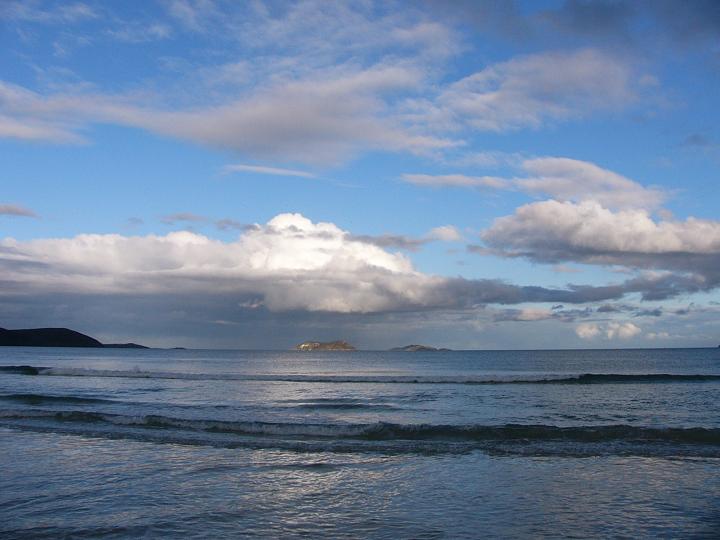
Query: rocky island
x=55 y=337
x=324 y=346
x=417 y=348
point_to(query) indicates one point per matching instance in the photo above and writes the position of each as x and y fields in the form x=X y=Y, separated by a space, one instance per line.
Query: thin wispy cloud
x=259 y=169
x=16 y=211
x=183 y=217
x=563 y=179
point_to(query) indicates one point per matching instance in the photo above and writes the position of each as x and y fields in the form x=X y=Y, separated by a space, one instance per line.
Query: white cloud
x=28 y=129
x=574 y=180
x=445 y=233
x=323 y=120
x=560 y=178
x=266 y=170
x=534 y=314
x=290 y=263
x=530 y=90
x=678 y=257
x=553 y=230
x=622 y=330
x=611 y=330
x=587 y=330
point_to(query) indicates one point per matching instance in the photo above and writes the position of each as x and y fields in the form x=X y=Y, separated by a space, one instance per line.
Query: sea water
x=118 y=443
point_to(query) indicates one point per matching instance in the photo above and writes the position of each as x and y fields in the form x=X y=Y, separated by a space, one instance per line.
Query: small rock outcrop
x=324 y=346
x=417 y=348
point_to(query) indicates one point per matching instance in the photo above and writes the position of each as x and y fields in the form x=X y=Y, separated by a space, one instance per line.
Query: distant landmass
x=325 y=346
x=124 y=346
x=55 y=337
x=417 y=348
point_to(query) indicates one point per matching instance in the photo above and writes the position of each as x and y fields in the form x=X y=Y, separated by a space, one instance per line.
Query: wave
x=39 y=399
x=584 y=378
x=381 y=435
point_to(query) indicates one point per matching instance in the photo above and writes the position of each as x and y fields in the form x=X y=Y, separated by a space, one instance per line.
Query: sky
x=463 y=174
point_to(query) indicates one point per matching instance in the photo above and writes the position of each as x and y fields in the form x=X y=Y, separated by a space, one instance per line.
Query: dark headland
x=418 y=348
x=55 y=337
x=324 y=346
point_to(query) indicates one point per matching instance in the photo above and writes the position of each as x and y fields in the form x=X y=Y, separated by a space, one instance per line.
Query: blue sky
x=465 y=174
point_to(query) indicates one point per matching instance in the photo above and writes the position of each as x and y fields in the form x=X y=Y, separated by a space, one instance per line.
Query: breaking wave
x=583 y=378
x=525 y=439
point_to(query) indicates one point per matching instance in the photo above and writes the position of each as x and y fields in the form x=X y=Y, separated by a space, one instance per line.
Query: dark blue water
x=126 y=443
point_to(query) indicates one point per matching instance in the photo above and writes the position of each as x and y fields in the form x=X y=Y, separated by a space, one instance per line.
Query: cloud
x=320 y=120
x=611 y=330
x=226 y=224
x=554 y=232
x=16 y=210
x=193 y=14
x=587 y=330
x=573 y=180
x=531 y=90
x=136 y=33
x=524 y=315
x=36 y=130
x=289 y=264
x=444 y=233
x=560 y=178
x=183 y=217
x=398 y=241
x=64 y=12
x=454 y=180
x=632 y=26
x=266 y=170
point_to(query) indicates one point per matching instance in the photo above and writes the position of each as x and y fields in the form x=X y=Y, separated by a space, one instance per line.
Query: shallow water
x=126 y=443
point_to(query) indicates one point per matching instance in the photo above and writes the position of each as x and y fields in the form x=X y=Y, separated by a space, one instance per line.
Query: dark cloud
x=697 y=140
x=391 y=241
x=634 y=24
x=183 y=217
x=657 y=312
x=227 y=224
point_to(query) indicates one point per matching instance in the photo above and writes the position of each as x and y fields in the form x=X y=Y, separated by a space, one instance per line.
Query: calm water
x=152 y=443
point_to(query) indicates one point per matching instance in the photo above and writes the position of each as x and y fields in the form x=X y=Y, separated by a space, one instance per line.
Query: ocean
x=119 y=443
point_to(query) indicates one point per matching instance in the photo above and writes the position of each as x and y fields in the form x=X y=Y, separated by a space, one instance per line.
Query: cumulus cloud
x=590 y=228
x=445 y=233
x=612 y=330
x=552 y=231
x=587 y=330
x=288 y=264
